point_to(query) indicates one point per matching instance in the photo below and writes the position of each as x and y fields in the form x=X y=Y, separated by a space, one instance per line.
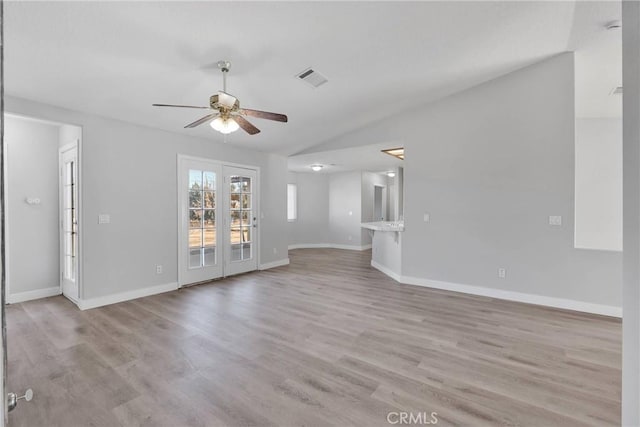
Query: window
x=292 y=202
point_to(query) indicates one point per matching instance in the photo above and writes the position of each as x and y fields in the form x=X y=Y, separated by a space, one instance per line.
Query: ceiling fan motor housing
x=215 y=104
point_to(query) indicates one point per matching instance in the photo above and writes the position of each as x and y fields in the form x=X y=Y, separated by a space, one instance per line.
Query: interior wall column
x=631 y=227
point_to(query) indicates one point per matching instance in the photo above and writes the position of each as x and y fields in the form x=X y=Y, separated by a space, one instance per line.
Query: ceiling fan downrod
x=224 y=67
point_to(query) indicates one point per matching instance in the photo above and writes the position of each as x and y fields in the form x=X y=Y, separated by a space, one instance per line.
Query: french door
x=69 y=220
x=240 y=203
x=217 y=220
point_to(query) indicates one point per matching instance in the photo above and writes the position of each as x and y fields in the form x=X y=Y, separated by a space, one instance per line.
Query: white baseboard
x=31 y=295
x=567 y=304
x=309 y=246
x=329 y=245
x=86 y=304
x=386 y=270
x=274 y=264
x=352 y=248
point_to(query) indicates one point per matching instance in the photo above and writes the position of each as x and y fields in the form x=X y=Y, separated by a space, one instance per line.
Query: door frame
x=5 y=175
x=180 y=236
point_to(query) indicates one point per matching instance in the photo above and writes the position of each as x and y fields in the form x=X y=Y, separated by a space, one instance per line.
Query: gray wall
x=490 y=165
x=631 y=159
x=129 y=169
x=69 y=134
x=32 y=172
x=312 y=225
x=345 y=208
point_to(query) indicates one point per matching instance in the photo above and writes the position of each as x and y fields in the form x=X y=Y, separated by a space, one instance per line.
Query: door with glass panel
x=69 y=220
x=241 y=229
x=200 y=258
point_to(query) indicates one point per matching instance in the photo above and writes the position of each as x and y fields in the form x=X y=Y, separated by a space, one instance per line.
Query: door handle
x=12 y=399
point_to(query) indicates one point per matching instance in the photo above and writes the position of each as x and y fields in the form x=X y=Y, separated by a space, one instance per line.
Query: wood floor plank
x=325 y=341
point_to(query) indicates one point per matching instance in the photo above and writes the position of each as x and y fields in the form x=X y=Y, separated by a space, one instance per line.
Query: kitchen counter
x=386 y=254
x=384 y=225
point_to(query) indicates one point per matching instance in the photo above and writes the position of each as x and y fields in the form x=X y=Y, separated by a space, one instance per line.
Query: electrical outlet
x=555 y=220
x=104 y=219
x=158 y=269
x=275 y=251
x=502 y=273
x=349 y=238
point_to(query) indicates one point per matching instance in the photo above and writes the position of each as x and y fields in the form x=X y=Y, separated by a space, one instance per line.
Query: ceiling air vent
x=616 y=91
x=312 y=77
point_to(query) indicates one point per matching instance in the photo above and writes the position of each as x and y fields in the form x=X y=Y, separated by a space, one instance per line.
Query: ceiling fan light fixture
x=316 y=168
x=225 y=125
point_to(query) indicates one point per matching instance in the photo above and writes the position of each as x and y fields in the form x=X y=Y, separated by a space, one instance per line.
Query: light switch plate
x=555 y=220
x=104 y=219
x=427 y=217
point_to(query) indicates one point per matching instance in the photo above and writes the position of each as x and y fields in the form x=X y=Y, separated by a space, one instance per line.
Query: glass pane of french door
x=202 y=218
x=69 y=220
x=241 y=213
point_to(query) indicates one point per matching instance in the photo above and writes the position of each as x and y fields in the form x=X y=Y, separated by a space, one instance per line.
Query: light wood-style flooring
x=327 y=340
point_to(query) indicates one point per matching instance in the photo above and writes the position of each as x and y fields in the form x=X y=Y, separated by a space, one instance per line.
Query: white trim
x=126 y=296
x=386 y=270
x=329 y=245
x=35 y=294
x=352 y=247
x=309 y=246
x=567 y=304
x=563 y=303
x=274 y=264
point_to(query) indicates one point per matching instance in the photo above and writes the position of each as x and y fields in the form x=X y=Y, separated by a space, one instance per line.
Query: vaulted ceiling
x=115 y=59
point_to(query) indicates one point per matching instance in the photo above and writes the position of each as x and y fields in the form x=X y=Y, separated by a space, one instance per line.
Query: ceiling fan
x=227 y=116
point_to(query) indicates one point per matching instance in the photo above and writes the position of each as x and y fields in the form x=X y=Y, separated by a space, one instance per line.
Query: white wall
x=312 y=225
x=490 y=165
x=598 y=184
x=345 y=208
x=32 y=172
x=128 y=170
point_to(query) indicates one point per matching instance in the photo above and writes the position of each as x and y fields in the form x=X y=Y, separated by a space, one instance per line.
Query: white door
x=199 y=255
x=68 y=162
x=241 y=203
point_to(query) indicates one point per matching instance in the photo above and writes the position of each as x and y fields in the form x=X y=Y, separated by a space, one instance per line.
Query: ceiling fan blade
x=264 y=115
x=226 y=100
x=179 y=106
x=245 y=125
x=202 y=120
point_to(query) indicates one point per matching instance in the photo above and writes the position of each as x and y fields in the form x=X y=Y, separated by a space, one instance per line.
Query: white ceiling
x=117 y=58
x=367 y=157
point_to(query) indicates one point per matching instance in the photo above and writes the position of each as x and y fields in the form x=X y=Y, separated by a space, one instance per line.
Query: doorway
x=379 y=203
x=217 y=220
x=42 y=211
